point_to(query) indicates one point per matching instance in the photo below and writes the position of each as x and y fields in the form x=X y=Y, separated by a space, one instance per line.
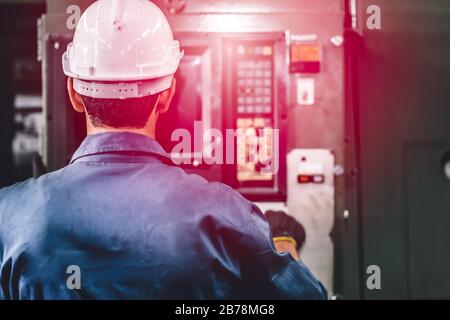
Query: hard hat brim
x=122 y=90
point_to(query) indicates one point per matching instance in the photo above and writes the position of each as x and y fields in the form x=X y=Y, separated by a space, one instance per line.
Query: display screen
x=305 y=52
x=305 y=58
x=187 y=104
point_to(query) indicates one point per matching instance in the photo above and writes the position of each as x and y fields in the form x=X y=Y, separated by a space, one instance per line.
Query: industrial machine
x=234 y=84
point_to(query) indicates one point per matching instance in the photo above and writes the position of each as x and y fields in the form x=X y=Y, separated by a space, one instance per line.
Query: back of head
x=122 y=55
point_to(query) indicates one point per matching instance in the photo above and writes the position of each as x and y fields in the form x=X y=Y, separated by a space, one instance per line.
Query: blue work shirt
x=122 y=222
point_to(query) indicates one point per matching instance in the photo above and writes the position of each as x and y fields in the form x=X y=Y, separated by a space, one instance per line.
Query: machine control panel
x=255 y=66
x=254 y=105
x=254 y=79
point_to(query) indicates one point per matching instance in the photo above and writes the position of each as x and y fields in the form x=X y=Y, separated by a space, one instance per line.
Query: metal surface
x=63 y=128
x=426 y=193
x=401 y=132
x=312 y=204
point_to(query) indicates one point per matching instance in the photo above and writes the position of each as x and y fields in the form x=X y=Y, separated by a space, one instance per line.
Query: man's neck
x=147 y=130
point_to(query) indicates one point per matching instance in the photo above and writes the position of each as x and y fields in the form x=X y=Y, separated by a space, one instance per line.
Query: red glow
x=305 y=52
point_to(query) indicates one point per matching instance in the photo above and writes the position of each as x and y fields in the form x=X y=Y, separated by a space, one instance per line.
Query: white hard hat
x=122 y=49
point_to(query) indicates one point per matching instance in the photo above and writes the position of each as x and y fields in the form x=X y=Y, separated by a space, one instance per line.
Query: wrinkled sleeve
x=2 y=226
x=269 y=275
x=2 y=222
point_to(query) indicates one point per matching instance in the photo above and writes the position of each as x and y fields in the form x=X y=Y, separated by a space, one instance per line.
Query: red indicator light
x=303 y=179
x=317 y=178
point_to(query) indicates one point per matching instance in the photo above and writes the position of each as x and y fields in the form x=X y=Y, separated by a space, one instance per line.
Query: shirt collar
x=106 y=142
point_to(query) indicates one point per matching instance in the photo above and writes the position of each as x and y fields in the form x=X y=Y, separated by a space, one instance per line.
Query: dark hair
x=119 y=113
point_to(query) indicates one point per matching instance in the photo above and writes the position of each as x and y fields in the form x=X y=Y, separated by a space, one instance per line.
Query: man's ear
x=74 y=96
x=166 y=96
